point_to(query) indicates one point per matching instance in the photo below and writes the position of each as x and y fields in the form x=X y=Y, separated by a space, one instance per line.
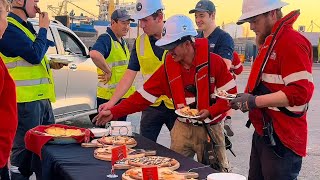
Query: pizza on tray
x=62 y=132
x=189 y=112
x=117 y=140
x=153 y=161
x=106 y=155
x=163 y=174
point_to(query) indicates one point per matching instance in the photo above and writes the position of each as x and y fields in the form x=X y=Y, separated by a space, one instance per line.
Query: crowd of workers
x=177 y=61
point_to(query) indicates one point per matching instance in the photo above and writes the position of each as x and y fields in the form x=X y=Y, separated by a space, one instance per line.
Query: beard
x=262 y=37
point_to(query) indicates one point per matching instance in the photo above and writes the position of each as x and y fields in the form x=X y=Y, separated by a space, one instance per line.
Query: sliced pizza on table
x=117 y=140
x=106 y=155
x=158 y=161
x=163 y=174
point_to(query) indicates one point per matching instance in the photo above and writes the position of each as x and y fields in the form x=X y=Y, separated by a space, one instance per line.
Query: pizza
x=117 y=140
x=189 y=112
x=62 y=132
x=153 y=161
x=163 y=174
x=105 y=153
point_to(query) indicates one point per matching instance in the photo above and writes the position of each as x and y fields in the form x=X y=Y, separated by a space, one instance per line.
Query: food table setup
x=75 y=159
x=73 y=162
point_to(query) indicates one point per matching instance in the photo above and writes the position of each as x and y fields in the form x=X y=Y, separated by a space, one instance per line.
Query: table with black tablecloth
x=73 y=162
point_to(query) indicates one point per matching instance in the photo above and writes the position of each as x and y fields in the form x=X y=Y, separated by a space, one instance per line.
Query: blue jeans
x=266 y=163
x=30 y=115
x=153 y=118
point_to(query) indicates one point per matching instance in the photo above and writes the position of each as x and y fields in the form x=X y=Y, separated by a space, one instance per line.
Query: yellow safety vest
x=118 y=60
x=33 y=81
x=149 y=63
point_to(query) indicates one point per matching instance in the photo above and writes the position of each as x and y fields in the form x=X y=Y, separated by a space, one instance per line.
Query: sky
x=227 y=10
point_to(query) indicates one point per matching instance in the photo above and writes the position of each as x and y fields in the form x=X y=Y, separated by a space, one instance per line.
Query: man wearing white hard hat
x=147 y=58
x=279 y=89
x=186 y=70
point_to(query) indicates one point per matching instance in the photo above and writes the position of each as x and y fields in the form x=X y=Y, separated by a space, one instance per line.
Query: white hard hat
x=146 y=8
x=251 y=8
x=176 y=28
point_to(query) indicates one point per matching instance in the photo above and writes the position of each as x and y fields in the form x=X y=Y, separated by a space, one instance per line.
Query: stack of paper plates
x=99 y=132
x=225 y=176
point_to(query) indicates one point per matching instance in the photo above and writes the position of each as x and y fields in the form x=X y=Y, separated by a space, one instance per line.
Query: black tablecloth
x=72 y=162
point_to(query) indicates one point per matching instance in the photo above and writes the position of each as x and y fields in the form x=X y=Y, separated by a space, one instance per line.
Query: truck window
x=51 y=50
x=70 y=43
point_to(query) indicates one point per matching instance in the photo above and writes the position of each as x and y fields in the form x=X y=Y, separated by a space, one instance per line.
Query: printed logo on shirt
x=212 y=80
x=273 y=55
x=212 y=45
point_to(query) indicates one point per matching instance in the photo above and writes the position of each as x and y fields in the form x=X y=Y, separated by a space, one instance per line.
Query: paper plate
x=62 y=61
x=225 y=176
x=227 y=98
x=99 y=132
x=185 y=116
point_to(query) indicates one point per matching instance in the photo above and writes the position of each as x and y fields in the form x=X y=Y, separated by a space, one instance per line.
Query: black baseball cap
x=204 y=6
x=121 y=14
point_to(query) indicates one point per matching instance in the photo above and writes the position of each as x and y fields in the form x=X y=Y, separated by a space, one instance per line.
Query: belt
x=200 y=123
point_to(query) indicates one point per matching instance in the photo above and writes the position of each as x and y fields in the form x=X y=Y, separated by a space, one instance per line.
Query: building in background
x=313 y=37
x=233 y=29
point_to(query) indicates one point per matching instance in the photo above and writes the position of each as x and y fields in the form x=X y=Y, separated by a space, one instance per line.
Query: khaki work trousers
x=188 y=140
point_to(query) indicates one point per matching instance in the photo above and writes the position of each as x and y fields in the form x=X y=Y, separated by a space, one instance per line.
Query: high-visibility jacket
x=149 y=63
x=118 y=60
x=33 y=81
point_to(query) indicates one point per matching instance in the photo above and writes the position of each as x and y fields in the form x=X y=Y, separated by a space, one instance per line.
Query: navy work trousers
x=153 y=118
x=30 y=115
x=267 y=163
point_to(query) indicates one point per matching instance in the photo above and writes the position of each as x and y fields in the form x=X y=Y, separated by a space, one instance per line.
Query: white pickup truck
x=75 y=84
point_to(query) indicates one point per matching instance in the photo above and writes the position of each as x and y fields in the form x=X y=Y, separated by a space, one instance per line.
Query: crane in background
x=64 y=5
x=312 y=26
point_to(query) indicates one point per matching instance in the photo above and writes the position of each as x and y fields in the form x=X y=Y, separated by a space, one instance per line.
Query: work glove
x=244 y=102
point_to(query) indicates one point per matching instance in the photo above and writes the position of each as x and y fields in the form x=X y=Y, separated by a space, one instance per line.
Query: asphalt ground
x=242 y=138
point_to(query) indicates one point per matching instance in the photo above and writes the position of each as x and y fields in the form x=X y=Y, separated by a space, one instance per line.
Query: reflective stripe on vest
x=33 y=82
x=149 y=63
x=118 y=61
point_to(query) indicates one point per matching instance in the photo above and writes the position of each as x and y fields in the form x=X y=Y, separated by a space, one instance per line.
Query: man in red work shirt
x=190 y=78
x=8 y=103
x=279 y=89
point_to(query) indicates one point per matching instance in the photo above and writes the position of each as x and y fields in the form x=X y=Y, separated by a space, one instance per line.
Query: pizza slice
x=189 y=112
